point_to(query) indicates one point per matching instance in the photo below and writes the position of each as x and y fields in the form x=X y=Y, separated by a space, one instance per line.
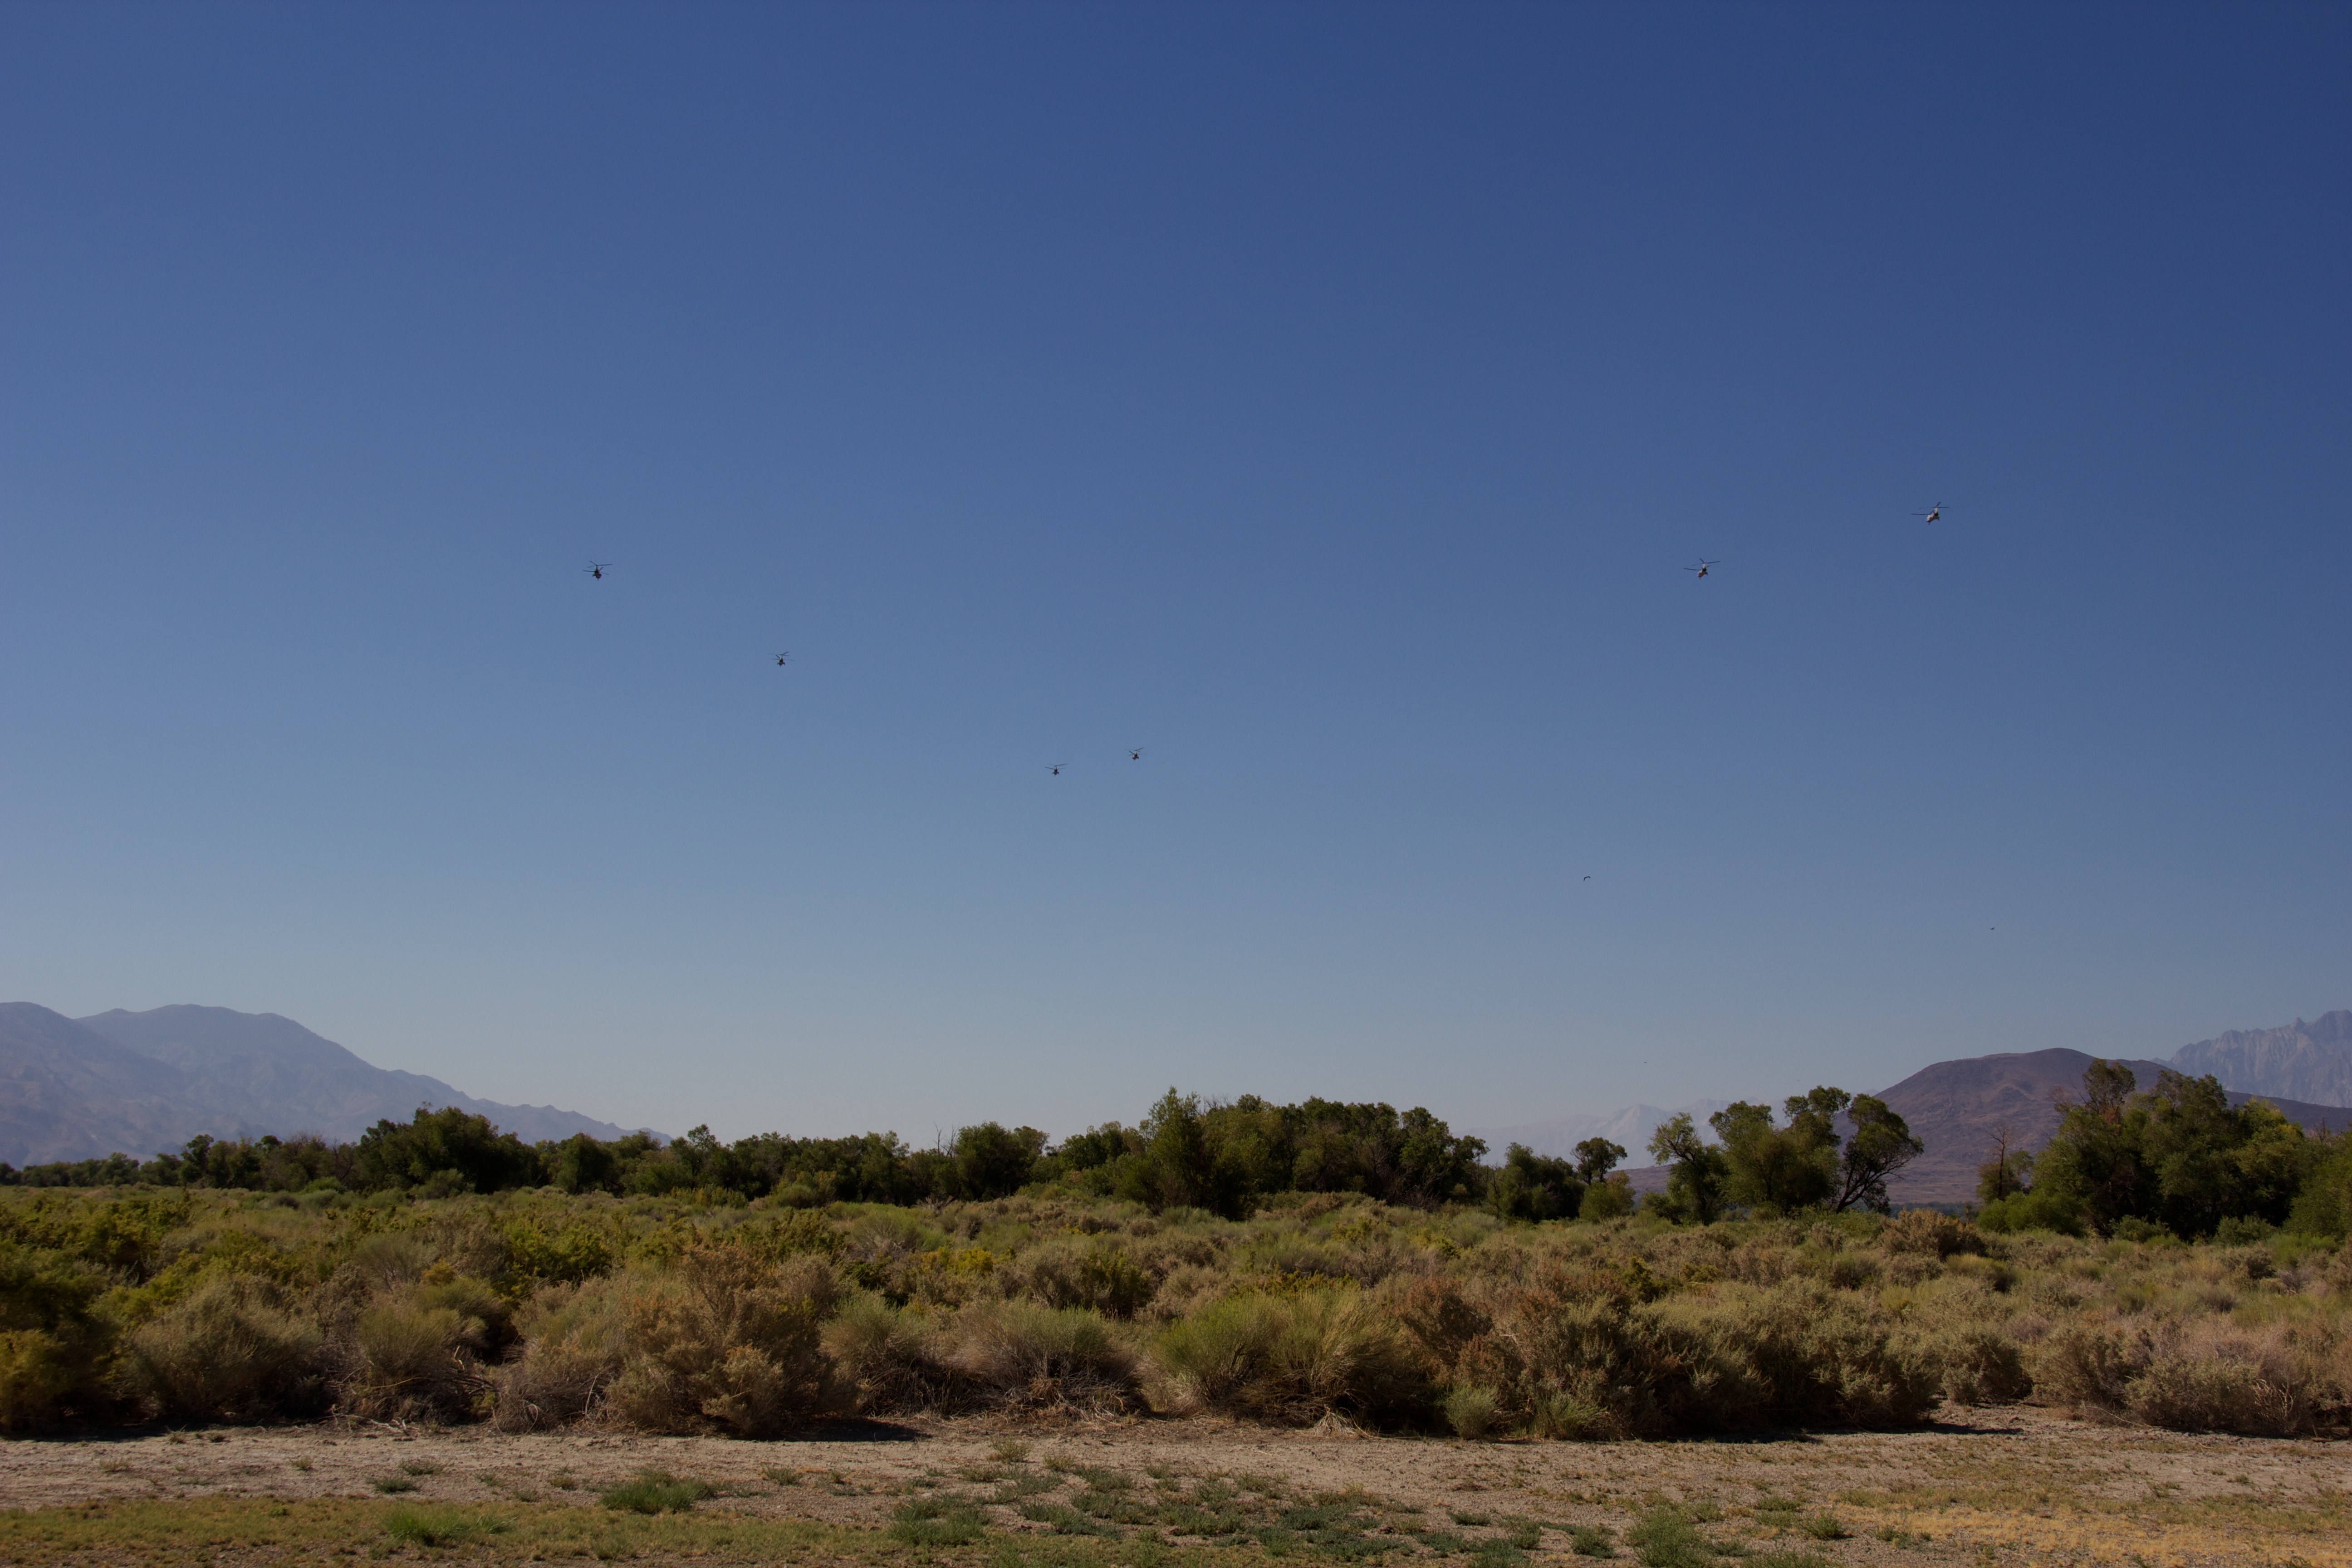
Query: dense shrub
x=232 y=1350
x=697 y=1311
x=990 y=1355
x=575 y=1342
x=2209 y=1376
x=405 y=1358
x=729 y=1343
x=1295 y=1358
x=54 y=1344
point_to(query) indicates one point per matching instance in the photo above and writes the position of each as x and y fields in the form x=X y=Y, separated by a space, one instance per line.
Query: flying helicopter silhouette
x=782 y=656
x=1702 y=566
x=1135 y=754
x=596 y=569
x=1932 y=514
x=1056 y=768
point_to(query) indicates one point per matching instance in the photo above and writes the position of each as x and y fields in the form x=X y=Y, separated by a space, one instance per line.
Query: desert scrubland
x=1080 y=1375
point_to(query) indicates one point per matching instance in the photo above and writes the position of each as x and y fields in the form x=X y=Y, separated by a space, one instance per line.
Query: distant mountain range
x=2310 y=1062
x=138 y=1083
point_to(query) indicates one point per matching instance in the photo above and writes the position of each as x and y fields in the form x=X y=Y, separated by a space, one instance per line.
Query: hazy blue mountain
x=2303 y=1061
x=138 y=1083
x=70 y=1093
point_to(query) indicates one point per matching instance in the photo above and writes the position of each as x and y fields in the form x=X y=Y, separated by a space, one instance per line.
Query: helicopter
x=1702 y=566
x=781 y=658
x=596 y=569
x=1056 y=768
x=1932 y=514
x=1135 y=754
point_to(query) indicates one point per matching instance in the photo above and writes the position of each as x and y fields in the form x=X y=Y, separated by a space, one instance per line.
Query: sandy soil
x=2012 y=1484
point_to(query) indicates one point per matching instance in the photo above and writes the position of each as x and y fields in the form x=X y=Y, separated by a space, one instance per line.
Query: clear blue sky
x=1324 y=398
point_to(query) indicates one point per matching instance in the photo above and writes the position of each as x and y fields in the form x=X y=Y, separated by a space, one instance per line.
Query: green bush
x=655 y=1492
x=2035 y=1210
x=55 y=1344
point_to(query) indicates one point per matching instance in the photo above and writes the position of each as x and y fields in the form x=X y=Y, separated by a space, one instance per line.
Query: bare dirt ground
x=1983 y=1486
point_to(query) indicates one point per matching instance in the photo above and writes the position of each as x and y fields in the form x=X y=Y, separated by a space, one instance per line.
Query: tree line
x=2176 y=1159
x=1220 y=1157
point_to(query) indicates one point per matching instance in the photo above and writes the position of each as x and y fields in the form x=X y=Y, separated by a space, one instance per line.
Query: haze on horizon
x=1324 y=399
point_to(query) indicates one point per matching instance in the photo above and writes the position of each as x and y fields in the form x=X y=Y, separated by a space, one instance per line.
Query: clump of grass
x=1470 y=1411
x=393 y=1484
x=1823 y=1526
x=1665 y=1538
x=1010 y=1451
x=302 y=1465
x=1788 y=1560
x=565 y=1481
x=1061 y=1519
x=782 y=1476
x=1463 y=1516
x=419 y=1468
x=655 y=1491
x=1591 y=1540
x=440 y=1526
x=1013 y=1488
x=936 y=1521
x=1524 y=1533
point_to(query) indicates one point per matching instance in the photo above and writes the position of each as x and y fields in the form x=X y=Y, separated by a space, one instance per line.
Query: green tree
x=1596 y=1157
x=1882 y=1144
x=1780 y=1169
x=1534 y=1186
x=994 y=1163
x=1176 y=1169
x=447 y=1147
x=2179 y=1155
x=1695 y=1183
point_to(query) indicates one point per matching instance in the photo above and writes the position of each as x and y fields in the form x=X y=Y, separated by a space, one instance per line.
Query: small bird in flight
x=1704 y=564
x=1932 y=514
x=1135 y=754
x=1588 y=876
x=596 y=569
